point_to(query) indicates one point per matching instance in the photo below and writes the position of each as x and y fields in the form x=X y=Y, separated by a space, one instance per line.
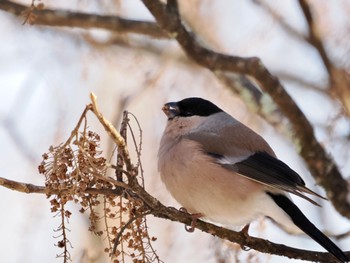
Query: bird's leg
x=244 y=231
x=194 y=218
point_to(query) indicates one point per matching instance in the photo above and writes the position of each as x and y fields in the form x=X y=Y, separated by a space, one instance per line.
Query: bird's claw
x=173 y=209
x=183 y=210
x=194 y=218
x=189 y=229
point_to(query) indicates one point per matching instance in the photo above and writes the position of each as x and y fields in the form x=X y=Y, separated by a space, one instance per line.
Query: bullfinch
x=220 y=169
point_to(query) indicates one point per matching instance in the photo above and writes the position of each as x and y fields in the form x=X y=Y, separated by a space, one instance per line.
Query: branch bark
x=65 y=18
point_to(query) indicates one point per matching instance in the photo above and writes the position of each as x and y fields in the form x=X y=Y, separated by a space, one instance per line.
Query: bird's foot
x=194 y=218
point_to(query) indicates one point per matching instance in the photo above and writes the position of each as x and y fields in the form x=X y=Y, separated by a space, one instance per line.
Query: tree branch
x=320 y=164
x=159 y=210
x=67 y=18
x=255 y=100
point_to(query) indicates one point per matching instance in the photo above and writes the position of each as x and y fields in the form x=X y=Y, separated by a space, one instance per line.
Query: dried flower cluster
x=70 y=170
x=76 y=171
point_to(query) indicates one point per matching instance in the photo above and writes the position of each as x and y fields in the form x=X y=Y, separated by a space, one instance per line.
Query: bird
x=222 y=171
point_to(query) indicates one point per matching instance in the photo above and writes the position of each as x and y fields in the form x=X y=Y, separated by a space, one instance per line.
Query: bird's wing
x=270 y=171
x=241 y=150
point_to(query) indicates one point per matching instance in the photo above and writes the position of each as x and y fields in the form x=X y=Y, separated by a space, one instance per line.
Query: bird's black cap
x=190 y=107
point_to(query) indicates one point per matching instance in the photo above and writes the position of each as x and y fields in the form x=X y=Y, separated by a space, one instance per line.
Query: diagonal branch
x=319 y=162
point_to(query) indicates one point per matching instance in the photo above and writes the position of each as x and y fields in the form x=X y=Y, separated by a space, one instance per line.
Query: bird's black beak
x=171 y=110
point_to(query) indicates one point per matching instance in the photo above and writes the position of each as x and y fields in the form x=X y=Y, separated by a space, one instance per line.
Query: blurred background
x=47 y=73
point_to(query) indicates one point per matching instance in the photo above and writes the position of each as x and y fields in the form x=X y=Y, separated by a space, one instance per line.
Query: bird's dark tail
x=300 y=220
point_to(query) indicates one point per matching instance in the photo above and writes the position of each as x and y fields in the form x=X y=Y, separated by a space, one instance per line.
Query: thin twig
x=105 y=221
x=22 y=187
x=314 y=38
x=138 y=147
x=279 y=18
x=131 y=220
x=75 y=131
x=120 y=160
x=115 y=135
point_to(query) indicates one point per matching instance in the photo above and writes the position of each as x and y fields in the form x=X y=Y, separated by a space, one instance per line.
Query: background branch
x=279 y=18
x=313 y=37
x=339 y=78
x=65 y=18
